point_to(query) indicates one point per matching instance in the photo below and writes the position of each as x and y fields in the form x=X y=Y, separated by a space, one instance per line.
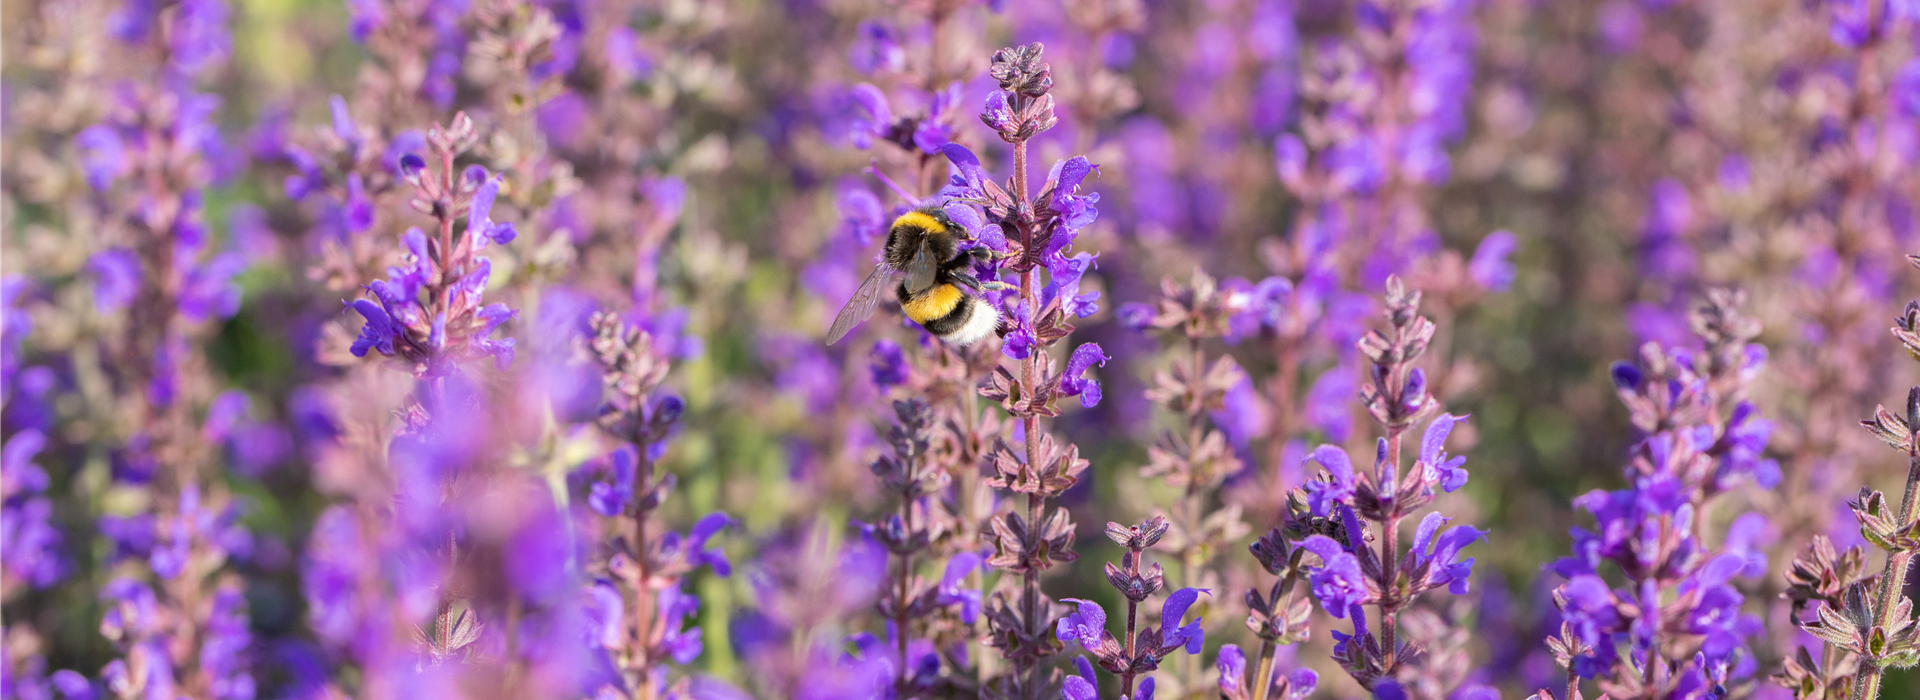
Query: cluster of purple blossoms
x=1350 y=519
x=1141 y=649
x=31 y=540
x=1675 y=625
x=927 y=622
x=1380 y=118
x=428 y=312
x=485 y=487
x=156 y=281
x=1034 y=233
x=31 y=543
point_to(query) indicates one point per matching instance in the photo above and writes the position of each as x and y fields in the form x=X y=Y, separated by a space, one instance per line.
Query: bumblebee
x=924 y=246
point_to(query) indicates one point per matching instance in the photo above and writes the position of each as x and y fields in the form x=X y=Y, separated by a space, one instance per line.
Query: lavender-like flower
x=159 y=285
x=1675 y=626
x=1141 y=649
x=1038 y=231
x=1198 y=459
x=429 y=312
x=1348 y=511
x=1865 y=617
x=919 y=611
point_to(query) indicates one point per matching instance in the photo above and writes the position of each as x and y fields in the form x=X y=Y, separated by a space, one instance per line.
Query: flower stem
x=1263 y=675
x=1133 y=614
x=642 y=606
x=900 y=607
x=1866 y=682
x=1029 y=374
x=1193 y=556
x=1389 y=557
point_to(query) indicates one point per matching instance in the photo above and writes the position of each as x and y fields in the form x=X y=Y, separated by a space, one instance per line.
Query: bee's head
x=928 y=220
x=940 y=215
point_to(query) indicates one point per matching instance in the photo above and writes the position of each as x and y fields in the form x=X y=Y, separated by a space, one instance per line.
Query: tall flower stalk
x=174 y=609
x=1675 y=626
x=1868 y=618
x=930 y=623
x=1352 y=518
x=637 y=604
x=1036 y=232
x=1279 y=617
x=1196 y=458
x=1141 y=649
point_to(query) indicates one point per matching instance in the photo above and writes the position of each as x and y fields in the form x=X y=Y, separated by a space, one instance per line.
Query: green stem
x=1263 y=677
x=1866 y=682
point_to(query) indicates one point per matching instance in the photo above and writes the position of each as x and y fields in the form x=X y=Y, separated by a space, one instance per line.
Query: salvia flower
x=1676 y=587
x=1366 y=508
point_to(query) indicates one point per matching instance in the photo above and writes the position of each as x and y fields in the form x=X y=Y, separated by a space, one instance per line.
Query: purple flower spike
x=1075 y=383
x=1192 y=637
x=1086 y=625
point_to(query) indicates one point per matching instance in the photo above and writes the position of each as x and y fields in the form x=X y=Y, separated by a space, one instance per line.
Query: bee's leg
x=983 y=253
x=974 y=283
x=965 y=278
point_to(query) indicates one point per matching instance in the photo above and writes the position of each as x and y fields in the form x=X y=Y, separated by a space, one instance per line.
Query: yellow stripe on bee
x=920 y=219
x=938 y=301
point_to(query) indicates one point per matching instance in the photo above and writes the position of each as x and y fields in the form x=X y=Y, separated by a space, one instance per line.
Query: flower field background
x=1431 y=349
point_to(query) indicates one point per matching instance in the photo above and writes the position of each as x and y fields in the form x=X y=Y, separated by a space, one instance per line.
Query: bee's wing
x=860 y=307
x=920 y=271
